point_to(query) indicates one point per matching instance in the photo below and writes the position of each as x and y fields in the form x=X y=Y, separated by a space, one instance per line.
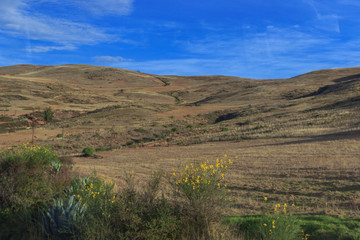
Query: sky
x=246 y=38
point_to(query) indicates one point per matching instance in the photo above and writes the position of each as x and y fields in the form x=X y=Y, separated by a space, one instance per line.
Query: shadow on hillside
x=347 y=78
x=354 y=134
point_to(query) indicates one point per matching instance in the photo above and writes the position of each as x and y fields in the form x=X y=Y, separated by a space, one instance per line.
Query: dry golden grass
x=318 y=175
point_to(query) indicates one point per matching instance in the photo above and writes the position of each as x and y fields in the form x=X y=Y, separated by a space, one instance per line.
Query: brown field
x=292 y=140
x=319 y=175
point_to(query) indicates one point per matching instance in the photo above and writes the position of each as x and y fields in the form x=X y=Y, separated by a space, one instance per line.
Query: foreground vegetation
x=41 y=197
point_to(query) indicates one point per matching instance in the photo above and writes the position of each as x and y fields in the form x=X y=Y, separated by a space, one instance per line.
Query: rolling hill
x=135 y=109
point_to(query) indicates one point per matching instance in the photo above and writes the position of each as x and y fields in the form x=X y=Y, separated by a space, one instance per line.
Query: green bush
x=23 y=187
x=224 y=129
x=59 y=135
x=48 y=114
x=144 y=214
x=88 y=151
x=202 y=191
x=278 y=224
x=30 y=177
x=31 y=155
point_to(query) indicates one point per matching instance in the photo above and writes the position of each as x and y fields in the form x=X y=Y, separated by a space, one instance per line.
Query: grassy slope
x=89 y=99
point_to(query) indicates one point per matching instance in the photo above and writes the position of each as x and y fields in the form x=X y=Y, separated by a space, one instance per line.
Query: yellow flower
x=265 y=198
x=265 y=224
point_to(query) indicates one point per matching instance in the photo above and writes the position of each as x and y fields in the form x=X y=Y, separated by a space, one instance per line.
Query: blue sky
x=245 y=38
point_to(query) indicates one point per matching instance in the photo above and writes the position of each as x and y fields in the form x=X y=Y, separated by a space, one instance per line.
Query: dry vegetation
x=296 y=140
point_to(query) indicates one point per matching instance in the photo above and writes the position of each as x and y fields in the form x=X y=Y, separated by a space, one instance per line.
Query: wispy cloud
x=42 y=49
x=350 y=2
x=269 y=44
x=106 y=7
x=110 y=59
x=326 y=18
x=280 y=52
x=19 y=18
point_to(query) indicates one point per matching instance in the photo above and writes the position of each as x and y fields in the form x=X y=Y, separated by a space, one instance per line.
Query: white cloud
x=106 y=7
x=350 y=2
x=269 y=44
x=42 y=49
x=110 y=59
x=277 y=52
x=326 y=18
x=19 y=18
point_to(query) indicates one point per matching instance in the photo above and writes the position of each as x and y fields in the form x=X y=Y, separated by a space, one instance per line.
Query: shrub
x=88 y=151
x=59 y=135
x=144 y=214
x=277 y=224
x=280 y=225
x=202 y=191
x=92 y=191
x=30 y=177
x=224 y=129
x=48 y=114
x=29 y=155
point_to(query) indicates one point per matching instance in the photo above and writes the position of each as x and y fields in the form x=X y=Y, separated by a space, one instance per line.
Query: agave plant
x=61 y=220
x=78 y=184
x=56 y=165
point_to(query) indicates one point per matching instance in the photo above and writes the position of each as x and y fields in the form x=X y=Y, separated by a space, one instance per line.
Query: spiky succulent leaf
x=61 y=220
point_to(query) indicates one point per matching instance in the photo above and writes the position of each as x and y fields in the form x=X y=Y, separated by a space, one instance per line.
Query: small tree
x=48 y=114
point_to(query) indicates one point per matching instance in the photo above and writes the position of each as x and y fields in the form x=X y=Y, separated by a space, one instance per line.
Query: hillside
x=147 y=109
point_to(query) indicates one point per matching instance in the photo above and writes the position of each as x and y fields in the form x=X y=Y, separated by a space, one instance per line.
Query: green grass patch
x=100 y=149
x=318 y=227
x=327 y=227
